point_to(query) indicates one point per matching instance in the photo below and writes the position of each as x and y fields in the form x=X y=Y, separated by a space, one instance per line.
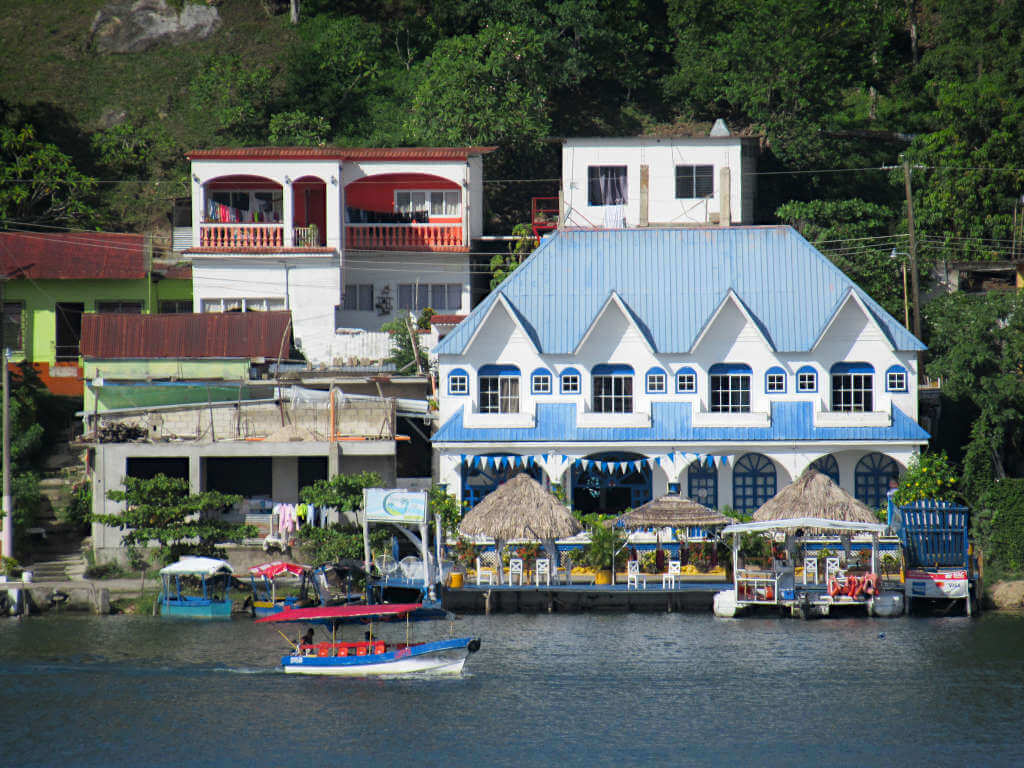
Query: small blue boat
x=265 y=599
x=208 y=577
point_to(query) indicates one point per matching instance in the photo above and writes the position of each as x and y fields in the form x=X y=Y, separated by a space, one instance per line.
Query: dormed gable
x=853 y=321
x=732 y=322
x=614 y=324
x=500 y=325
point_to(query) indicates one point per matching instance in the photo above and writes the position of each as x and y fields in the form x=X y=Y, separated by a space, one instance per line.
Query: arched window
x=686 y=380
x=702 y=484
x=499 y=389
x=753 y=482
x=871 y=479
x=656 y=381
x=612 y=388
x=540 y=382
x=806 y=379
x=570 y=381
x=853 y=387
x=775 y=381
x=896 y=379
x=458 y=382
x=730 y=388
x=601 y=484
x=828 y=466
x=482 y=476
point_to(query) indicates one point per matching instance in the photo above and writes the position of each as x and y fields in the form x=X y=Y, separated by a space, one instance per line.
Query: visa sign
x=385 y=505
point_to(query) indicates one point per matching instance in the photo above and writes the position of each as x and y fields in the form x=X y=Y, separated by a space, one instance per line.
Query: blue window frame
x=702 y=484
x=871 y=479
x=775 y=381
x=569 y=381
x=686 y=381
x=730 y=388
x=499 y=389
x=611 y=388
x=753 y=482
x=828 y=466
x=657 y=381
x=458 y=382
x=853 y=387
x=540 y=382
x=806 y=379
x=896 y=379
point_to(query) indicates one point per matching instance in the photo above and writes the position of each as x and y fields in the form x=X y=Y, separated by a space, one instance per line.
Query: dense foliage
x=161 y=510
x=345 y=492
x=997 y=526
x=928 y=476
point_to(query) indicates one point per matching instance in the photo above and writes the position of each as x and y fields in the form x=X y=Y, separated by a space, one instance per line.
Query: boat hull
x=443 y=657
x=196 y=609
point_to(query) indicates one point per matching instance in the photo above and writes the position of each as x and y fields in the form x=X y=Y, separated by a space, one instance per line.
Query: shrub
x=997 y=525
x=928 y=476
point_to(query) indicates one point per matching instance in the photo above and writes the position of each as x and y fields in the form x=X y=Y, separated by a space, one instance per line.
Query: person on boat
x=306 y=639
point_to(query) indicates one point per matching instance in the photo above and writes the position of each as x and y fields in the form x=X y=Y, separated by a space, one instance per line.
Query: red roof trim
x=338 y=153
x=447 y=319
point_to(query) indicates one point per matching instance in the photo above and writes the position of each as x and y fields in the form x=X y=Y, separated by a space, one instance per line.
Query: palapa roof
x=674 y=511
x=814 y=495
x=520 y=509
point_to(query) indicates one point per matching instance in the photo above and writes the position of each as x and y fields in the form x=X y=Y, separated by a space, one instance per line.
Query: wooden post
x=913 y=251
x=645 y=186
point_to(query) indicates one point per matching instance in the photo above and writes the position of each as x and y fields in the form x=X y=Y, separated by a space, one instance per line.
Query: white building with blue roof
x=727 y=360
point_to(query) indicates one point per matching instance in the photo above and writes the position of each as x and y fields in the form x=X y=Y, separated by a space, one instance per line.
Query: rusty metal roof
x=337 y=153
x=210 y=334
x=72 y=256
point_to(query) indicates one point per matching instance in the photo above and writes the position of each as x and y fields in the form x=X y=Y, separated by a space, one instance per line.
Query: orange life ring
x=870 y=584
x=833 y=586
x=852 y=586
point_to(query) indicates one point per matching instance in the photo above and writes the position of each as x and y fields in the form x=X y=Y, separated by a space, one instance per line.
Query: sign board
x=937 y=584
x=385 y=505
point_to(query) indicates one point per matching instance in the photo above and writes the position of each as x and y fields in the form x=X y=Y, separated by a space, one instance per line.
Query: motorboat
x=265 y=578
x=369 y=656
x=196 y=588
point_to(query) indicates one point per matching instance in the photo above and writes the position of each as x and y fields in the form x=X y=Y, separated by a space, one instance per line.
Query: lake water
x=584 y=689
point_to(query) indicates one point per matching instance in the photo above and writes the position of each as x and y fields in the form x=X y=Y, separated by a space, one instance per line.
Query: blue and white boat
x=370 y=656
x=196 y=588
x=265 y=597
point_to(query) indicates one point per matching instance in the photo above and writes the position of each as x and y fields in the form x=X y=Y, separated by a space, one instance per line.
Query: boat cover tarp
x=197 y=566
x=818 y=523
x=270 y=570
x=342 y=612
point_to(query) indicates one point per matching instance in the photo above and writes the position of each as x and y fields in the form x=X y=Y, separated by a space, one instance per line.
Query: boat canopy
x=270 y=570
x=197 y=566
x=817 y=523
x=342 y=612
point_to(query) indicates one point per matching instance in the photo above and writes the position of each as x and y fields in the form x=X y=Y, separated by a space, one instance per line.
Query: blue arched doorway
x=753 y=482
x=871 y=479
x=828 y=466
x=480 y=479
x=702 y=484
x=599 y=487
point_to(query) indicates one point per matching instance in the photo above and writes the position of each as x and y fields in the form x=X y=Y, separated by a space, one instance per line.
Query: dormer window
x=499 y=389
x=896 y=379
x=686 y=381
x=657 y=382
x=852 y=387
x=570 y=379
x=540 y=382
x=807 y=379
x=458 y=382
x=612 y=387
x=730 y=388
x=775 y=381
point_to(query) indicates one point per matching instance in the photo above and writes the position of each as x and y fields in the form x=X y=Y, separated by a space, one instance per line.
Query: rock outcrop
x=131 y=26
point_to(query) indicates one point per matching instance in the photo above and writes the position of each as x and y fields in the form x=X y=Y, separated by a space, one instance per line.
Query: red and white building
x=346 y=239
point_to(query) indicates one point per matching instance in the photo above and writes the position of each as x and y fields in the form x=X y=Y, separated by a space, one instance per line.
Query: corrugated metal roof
x=673 y=280
x=72 y=256
x=338 y=153
x=210 y=334
x=671 y=423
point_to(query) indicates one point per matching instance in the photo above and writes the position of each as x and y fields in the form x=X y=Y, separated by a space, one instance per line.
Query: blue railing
x=934 y=534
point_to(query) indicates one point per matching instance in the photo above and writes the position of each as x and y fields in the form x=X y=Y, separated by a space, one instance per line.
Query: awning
x=817 y=523
x=342 y=612
x=270 y=570
x=197 y=566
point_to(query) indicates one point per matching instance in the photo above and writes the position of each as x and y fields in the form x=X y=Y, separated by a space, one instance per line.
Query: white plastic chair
x=811 y=568
x=515 y=568
x=483 y=573
x=675 y=568
x=565 y=570
x=832 y=568
x=543 y=571
x=633 y=575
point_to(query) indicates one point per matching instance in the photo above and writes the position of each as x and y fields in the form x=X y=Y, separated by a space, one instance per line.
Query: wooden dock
x=530 y=598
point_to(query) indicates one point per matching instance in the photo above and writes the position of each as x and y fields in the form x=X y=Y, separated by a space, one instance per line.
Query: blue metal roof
x=671 y=422
x=672 y=281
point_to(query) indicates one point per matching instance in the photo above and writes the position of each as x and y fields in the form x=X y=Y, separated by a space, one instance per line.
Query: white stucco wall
x=661 y=156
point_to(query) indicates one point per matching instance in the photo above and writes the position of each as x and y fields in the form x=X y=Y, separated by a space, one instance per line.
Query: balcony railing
x=399 y=237
x=230 y=237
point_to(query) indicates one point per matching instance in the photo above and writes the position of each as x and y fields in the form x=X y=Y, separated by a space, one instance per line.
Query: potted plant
x=605 y=543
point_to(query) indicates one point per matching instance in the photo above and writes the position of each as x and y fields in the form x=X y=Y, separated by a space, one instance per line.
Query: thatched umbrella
x=521 y=509
x=672 y=511
x=814 y=495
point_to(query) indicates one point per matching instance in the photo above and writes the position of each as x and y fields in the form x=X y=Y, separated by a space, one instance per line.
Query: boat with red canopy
x=370 y=656
x=265 y=597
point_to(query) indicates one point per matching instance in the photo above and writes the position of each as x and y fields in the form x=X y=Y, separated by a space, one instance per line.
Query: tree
x=404 y=355
x=161 y=509
x=344 y=492
x=298 y=129
x=39 y=184
x=504 y=264
x=928 y=476
x=233 y=94
x=977 y=345
x=442 y=503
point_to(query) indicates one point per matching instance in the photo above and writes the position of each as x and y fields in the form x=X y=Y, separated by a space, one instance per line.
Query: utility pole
x=913 y=248
x=8 y=536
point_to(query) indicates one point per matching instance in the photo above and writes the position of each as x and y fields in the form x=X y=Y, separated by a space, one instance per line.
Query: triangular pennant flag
x=589 y=464
x=530 y=461
x=672 y=456
x=711 y=461
x=632 y=466
x=462 y=458
x=604 y=466
x=657 y=460
x=564 y=457
x=725 y=461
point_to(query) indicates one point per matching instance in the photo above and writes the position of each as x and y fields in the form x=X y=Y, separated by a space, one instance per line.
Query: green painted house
x=52 y=279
